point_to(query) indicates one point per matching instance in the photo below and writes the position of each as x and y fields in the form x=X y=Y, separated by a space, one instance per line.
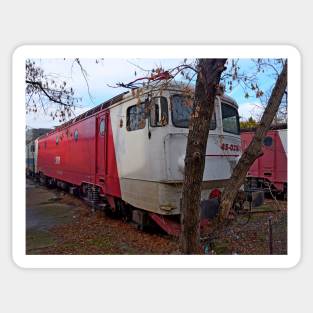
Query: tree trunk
x=254 y=149
x=203 y=107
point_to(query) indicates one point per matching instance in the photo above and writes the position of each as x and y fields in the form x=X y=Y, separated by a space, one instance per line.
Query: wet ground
x=59 y=223
x=44 y=211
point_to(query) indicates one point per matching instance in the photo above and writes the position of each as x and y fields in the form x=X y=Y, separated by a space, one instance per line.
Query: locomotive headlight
x=181 y=163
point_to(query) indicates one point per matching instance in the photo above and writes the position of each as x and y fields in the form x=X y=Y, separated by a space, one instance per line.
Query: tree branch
x=39 y=85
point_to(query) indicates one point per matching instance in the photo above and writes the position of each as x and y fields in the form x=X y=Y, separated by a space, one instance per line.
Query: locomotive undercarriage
x=111 y=206
x=266 y=186
x=117 y=208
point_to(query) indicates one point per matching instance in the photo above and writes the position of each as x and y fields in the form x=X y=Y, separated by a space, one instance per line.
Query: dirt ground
x=250 y=233
x=59 y=223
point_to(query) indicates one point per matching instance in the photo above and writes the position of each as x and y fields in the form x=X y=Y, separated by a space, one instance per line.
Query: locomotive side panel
x=68 y=154
x=78 y=154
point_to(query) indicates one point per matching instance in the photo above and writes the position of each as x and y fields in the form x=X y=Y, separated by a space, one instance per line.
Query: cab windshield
x=230 y=119
x=181 y=111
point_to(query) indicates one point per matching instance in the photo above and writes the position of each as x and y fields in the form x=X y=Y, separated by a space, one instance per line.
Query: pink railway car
x=269 y=170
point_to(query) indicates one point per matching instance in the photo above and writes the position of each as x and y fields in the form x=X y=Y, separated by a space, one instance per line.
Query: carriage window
x=57 y=140
x=136 y=118
x=268 y=141
x=181 y=111
x=230 y=119
x=76 y=135
x=102 y=127
x=159 y=112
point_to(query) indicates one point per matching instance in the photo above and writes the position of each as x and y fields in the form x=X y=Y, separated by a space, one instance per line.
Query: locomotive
x=128 y=153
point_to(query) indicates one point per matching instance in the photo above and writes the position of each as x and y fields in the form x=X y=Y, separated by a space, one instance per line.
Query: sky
x=111 y=71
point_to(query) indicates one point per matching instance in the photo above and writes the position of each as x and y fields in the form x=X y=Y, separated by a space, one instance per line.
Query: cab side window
x=158 y=112
x=136 y=118
x=268 y=141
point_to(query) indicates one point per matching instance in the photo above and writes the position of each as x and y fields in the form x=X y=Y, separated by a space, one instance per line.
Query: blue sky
x=111 y=71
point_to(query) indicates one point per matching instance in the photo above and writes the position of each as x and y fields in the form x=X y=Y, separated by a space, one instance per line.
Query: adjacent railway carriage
x=31 y=154
x=270 y=170
x=30 y=158
x=130 y=150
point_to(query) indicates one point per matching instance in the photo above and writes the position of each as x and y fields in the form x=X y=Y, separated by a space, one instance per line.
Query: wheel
x=123 y=210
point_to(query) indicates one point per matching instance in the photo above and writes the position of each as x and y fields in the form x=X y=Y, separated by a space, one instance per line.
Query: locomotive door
x=101 y=146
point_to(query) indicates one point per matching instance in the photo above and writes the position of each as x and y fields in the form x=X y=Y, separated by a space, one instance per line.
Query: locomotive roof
x=90 y=112
x=123 y=96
